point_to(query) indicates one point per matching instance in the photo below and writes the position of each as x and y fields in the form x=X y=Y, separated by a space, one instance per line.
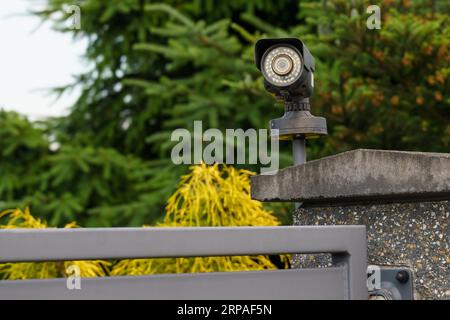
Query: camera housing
x=296 y=80
x=288 y=69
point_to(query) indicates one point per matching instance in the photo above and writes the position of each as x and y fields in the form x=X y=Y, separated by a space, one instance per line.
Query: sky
x=33 y=59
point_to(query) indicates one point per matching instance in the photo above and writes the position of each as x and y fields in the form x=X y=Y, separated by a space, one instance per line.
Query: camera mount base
x=294 y=123
x=297 y=120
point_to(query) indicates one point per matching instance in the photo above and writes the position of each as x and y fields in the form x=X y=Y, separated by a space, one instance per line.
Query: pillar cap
x=361 y=175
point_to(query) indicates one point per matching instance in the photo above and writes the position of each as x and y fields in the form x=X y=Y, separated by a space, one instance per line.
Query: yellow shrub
x=208 y=196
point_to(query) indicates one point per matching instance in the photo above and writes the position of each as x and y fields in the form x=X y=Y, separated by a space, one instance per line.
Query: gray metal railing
x=345 y=280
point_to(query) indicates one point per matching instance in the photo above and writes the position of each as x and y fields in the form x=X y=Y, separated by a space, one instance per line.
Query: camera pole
x=299 y=153
x=299 y=150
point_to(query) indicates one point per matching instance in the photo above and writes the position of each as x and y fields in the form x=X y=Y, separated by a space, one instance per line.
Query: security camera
x=287 y=66
x=288 y=70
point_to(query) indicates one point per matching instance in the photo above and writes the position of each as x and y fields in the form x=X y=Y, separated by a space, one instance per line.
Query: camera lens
x=281 y=65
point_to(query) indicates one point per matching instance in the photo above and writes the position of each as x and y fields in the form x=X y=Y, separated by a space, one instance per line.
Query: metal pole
x=299 y=152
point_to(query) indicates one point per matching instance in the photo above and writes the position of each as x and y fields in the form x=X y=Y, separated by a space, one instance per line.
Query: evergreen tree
x=67 y=182
x=157 y=67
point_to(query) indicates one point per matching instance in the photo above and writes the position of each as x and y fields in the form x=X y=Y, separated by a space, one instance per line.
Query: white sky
x=33 y=59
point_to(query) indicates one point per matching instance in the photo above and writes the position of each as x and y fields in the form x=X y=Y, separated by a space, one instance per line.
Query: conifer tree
x=157 y=67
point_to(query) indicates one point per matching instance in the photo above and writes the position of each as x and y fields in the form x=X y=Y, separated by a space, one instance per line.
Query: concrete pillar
x=402 y=198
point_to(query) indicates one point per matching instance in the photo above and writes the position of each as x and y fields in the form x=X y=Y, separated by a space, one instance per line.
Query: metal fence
x=346 y=279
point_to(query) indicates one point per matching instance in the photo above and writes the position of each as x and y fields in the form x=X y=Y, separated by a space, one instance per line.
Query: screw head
x=402 y=276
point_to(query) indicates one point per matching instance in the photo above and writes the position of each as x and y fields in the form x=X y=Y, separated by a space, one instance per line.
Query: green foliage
x=21 y=146
x=157 y=67
x=90 y=184
x=384 y=88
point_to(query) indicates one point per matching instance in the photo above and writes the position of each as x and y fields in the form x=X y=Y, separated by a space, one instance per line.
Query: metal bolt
x=402 y=276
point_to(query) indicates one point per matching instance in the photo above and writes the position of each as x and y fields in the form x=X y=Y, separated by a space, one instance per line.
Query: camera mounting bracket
x=298 y=121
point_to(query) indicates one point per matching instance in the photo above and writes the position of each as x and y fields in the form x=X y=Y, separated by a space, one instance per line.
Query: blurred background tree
x=159 y=66
x=67 y=181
